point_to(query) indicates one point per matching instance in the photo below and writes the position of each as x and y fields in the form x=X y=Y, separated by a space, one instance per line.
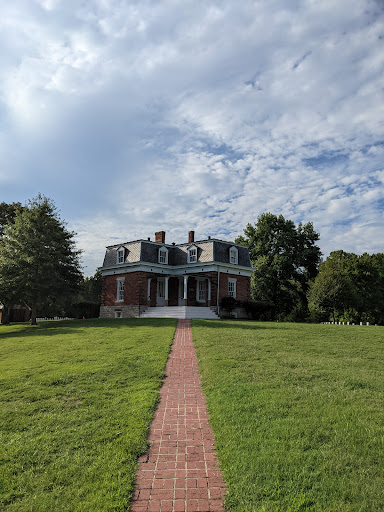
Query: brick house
x=143 y=273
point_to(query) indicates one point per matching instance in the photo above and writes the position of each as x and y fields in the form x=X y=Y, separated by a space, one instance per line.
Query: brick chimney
x=160 y=237
x=191 y=237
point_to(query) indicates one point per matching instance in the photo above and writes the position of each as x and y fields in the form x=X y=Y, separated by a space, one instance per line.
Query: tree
x=8 y=214
x=350 y=286
x=38 y=259
x=285 y=259
x=88 y=300
x=90 y=289
x=333 y=290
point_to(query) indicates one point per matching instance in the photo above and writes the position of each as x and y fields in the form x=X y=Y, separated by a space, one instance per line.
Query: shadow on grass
x=250 y=325
x=60 y=327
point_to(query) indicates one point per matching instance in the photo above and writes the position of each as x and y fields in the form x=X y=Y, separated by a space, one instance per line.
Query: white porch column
x=209 y=292
x=149 y=291
x=166 y=290
x=185 y=290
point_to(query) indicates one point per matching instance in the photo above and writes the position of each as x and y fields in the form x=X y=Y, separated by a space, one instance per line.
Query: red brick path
x=180 y=472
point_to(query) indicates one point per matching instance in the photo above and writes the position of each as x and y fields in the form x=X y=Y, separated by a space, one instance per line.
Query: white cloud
x=142 y=116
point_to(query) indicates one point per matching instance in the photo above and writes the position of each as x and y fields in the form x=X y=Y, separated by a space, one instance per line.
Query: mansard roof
x=211 y=250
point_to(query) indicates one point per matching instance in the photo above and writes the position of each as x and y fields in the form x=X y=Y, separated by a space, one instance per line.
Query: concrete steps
x=180 y=312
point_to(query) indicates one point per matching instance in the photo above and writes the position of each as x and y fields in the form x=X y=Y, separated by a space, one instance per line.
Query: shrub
x=258 y=309
x=228 y=304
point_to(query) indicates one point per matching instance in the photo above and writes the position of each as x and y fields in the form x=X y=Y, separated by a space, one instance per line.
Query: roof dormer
x=163 y=255
x=120 y=254
x=234 y=255
x=192 y=254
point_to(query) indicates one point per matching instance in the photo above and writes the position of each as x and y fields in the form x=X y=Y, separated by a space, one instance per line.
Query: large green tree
x=333 y=289
x=285 y=257
x=350 y=287
x=8 y=213
x=38 y=259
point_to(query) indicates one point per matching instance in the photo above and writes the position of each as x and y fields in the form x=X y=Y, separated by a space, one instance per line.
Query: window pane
x=232 y=289
x=120 y=290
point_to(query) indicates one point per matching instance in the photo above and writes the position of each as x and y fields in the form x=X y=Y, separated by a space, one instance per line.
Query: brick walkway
x=180 y=472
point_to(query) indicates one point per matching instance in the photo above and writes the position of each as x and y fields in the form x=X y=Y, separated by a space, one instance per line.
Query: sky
x=178 y=115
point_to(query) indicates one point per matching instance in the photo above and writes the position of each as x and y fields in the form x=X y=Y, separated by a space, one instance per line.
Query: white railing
x=54 y=318
x=347 y=323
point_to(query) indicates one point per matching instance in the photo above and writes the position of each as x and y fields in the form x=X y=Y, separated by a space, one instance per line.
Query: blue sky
x=140 y=116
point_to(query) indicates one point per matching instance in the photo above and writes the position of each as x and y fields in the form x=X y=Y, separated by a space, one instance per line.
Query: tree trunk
x=33 y=315
x=6 y=315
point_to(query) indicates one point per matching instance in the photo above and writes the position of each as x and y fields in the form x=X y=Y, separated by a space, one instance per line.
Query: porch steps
x=179 y=312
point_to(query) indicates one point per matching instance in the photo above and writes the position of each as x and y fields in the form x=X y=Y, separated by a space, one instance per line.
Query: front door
x=160 y=296
x=201 y=290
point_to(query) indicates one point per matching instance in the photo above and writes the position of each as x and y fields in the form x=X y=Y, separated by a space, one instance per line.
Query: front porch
x=180 y=312
x=184 y=290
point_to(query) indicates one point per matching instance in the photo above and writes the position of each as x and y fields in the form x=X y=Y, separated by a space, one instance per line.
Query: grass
x=297 y=412
x=77 y=399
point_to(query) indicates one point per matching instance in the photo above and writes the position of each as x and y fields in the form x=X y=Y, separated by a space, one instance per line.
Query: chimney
x=191 y=237
x=160 y=237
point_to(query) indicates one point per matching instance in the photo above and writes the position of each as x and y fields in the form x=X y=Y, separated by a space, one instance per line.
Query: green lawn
x=77 y=399
x=298 y=414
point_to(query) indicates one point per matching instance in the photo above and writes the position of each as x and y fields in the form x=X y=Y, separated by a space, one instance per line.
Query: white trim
x=120 y=253
x=232 y=281
x=120 y=289
x=177 y=270
x=190 y=249
x=160 y=292
x=200 y=280
x=233 y=252
x=163 y=249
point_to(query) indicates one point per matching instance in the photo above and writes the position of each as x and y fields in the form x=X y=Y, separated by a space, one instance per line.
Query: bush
x=258 y=309
x=85 y=310
x=228 y=304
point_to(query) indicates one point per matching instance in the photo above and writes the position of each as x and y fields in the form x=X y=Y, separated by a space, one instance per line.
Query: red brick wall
x=243 y=286
x=135 y=289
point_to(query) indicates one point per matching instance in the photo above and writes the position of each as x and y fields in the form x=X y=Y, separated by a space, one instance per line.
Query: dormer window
x=192 y=254
x=120 y=255
x=233 y=255
x=163 y=255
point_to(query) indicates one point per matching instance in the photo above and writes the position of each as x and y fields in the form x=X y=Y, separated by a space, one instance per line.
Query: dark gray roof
x=221 y=250
x=131 y=254
x=207 y=251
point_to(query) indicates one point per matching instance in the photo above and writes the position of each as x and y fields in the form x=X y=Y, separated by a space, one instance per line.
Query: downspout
x=218 y=290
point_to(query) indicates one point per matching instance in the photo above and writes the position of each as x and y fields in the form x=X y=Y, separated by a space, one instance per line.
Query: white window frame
x=118 y=314
x=120 y=290
x=233 y=255
x=192 y=254
x=201 y=290
x=163 y=254
x=232 y=287
x=120 y=255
